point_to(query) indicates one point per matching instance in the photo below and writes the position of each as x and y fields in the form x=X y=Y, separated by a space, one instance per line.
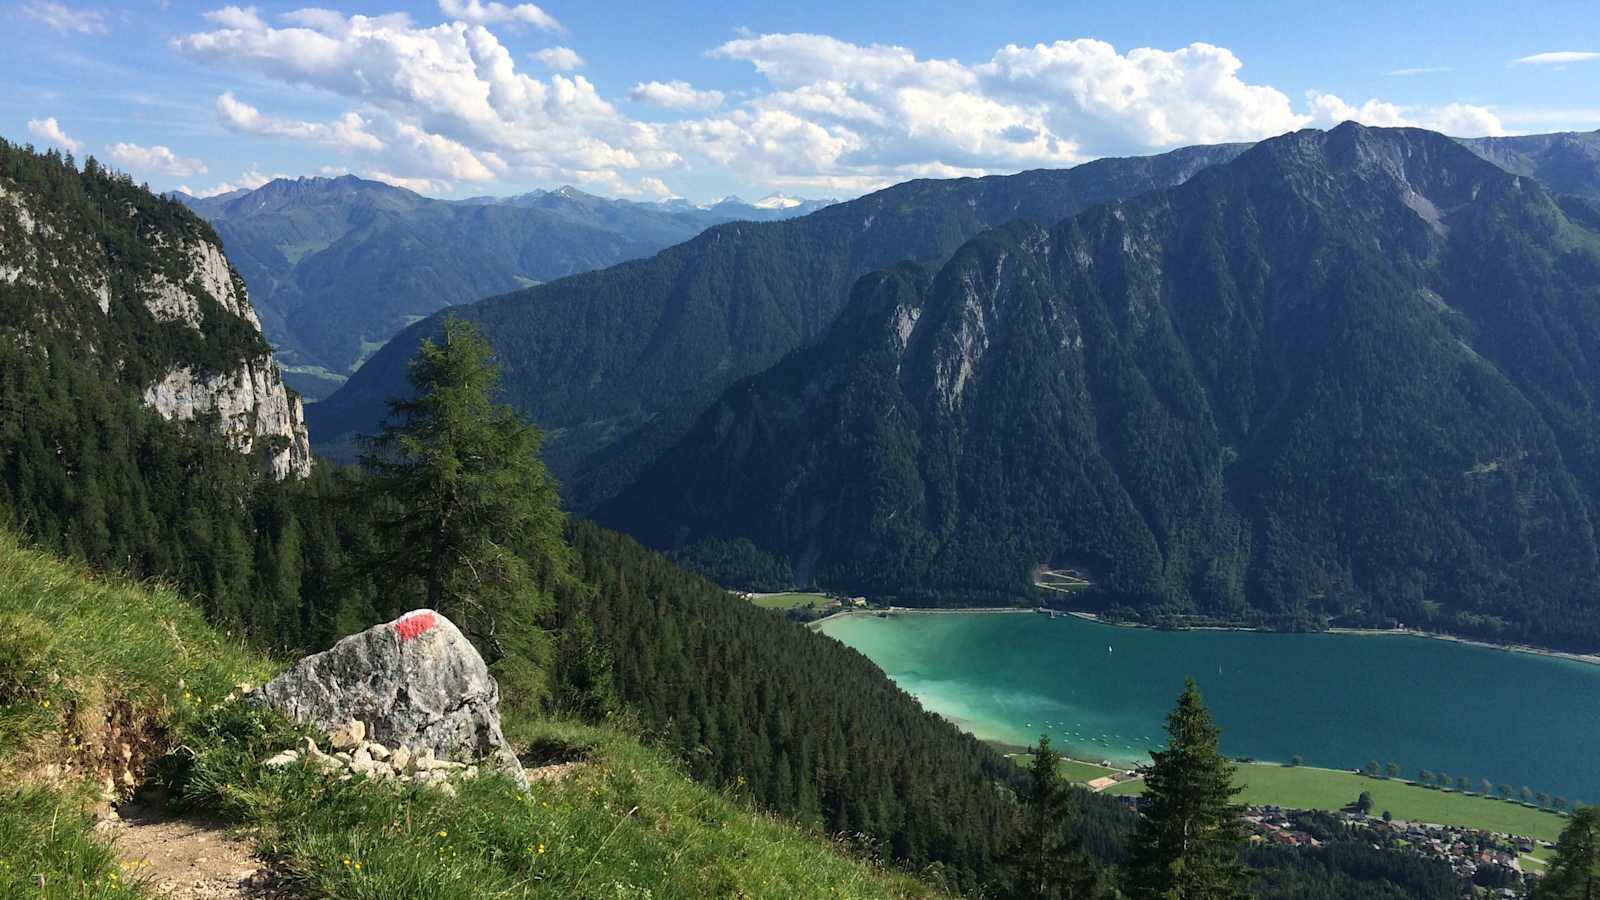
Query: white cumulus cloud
x=49 y=130
x=560 y=59
x=1457 y=119
x=448 y=103
x=348 y=132
x=479 y=13
x=155 y=160
x=675 y=95
x=244 y=17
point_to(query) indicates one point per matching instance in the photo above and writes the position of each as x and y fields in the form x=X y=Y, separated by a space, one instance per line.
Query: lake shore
x=1586 y=658
x=1591 y=659
x=921 y=611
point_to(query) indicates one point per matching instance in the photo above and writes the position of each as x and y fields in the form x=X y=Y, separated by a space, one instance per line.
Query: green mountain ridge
x=338 y=265
x=1349 y=374
x=614 y=364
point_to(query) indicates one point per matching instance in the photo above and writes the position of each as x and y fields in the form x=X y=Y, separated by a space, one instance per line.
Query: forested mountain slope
x=617 y=363
x=338 y=265
x=1350 y=374
x=594 y=357
x=103 y=279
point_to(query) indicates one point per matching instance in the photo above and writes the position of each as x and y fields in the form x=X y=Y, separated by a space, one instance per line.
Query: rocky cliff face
x=156 y=301
x=252 y=409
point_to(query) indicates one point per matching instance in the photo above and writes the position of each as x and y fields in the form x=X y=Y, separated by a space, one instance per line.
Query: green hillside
x=75 y=649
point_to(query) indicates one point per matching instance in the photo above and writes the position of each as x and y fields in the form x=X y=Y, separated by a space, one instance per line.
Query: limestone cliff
x=157 y=302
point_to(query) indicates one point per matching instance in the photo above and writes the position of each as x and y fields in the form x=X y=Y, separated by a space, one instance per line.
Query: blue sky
x=648 y=100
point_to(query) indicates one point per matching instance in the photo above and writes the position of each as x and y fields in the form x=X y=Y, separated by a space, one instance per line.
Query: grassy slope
x=1305 y=787
x=629 y=824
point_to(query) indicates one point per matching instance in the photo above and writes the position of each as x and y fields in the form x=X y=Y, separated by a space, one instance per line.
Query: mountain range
x=1350 y=374
x=615 y=363
x=337 y=265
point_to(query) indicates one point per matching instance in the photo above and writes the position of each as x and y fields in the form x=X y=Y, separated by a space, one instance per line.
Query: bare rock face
x=252 y=409
x=416 y=684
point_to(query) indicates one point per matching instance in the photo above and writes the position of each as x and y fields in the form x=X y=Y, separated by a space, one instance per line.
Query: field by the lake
x=1306 y=787
x=1075 y=771
x=790 y=600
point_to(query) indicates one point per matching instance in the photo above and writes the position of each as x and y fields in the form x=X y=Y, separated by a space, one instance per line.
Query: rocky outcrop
x=209 y=274
x=414 y=686
x=252 y=408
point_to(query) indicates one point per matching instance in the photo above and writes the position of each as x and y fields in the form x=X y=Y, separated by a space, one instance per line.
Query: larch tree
x=467 y=516
x=1187 y=843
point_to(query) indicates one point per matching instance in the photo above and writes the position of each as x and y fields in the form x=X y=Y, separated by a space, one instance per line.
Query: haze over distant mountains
x=336 y=266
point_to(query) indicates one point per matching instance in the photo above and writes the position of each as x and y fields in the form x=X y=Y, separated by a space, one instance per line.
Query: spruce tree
x=1574 y=872
x=467 y=516
x=1047 y=861
x=1187 y=843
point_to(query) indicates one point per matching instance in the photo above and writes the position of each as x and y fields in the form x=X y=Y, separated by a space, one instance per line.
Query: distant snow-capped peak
x=776 y=200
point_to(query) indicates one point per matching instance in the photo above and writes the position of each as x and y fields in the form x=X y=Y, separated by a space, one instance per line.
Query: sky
x=458 y=98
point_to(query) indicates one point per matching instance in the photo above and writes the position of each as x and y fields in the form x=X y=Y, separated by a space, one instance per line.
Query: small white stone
x=285 y=758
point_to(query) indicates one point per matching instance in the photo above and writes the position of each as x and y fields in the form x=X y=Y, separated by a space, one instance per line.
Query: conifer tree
x=1186 y=846
x=1574 y=872
x=1047 y=862
x=583 y=670
x=467 y=517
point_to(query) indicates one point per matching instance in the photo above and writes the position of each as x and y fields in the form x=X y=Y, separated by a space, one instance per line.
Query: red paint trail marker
x=414 y=623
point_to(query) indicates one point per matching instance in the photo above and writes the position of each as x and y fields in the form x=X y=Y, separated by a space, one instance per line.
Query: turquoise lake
x=1336 y=700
